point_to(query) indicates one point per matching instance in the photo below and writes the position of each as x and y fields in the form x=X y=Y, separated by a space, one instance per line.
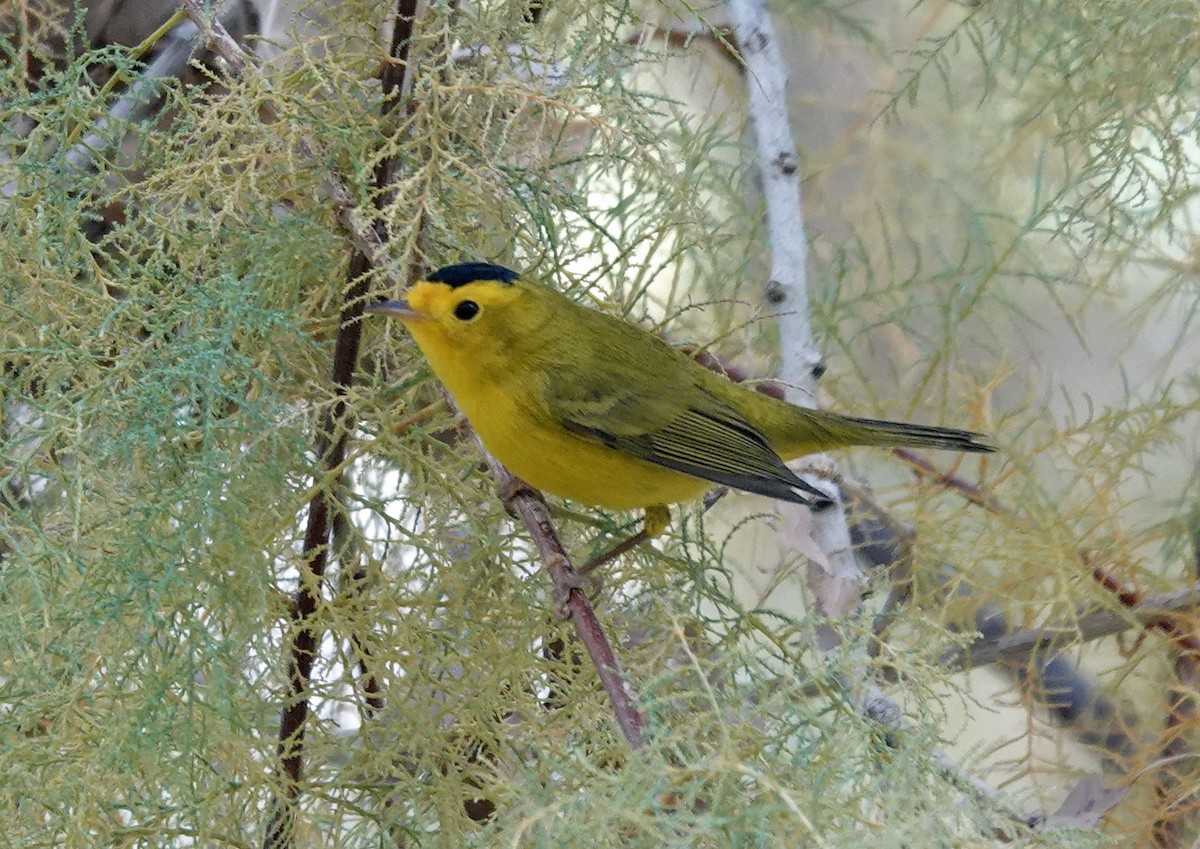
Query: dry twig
x=529 y=506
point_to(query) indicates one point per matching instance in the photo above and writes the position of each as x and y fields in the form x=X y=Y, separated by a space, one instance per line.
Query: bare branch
x=529 y=506
x=779 y=168
x=836 y=583
x=1175 y=783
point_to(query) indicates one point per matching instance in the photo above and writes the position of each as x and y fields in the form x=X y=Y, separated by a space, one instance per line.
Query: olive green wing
x=677 y=425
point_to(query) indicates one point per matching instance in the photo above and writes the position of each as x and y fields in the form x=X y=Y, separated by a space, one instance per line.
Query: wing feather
x=682 y=428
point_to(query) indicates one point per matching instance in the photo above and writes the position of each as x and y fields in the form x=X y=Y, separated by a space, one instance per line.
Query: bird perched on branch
x=590 y=408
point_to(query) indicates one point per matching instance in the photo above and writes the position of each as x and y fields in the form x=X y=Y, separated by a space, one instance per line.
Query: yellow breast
x=557 y=461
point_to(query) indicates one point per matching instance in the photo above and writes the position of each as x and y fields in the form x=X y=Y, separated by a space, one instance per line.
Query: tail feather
x=899 y=434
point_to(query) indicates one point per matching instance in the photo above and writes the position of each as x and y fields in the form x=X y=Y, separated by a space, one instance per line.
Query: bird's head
x=473 y=313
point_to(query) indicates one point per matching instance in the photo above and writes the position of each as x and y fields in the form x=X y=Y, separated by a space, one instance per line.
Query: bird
x=588 y=407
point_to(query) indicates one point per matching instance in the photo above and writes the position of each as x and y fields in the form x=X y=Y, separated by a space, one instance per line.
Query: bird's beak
x=396 y=309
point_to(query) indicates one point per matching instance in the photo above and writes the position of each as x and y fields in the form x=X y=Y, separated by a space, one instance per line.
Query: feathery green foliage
x=169 y=315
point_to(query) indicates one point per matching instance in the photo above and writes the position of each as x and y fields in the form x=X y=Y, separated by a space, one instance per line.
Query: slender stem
x=529 y=506
x=973 y=492
x=608 y=556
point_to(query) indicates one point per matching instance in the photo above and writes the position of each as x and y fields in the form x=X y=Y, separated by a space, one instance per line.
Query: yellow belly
x=559 y=462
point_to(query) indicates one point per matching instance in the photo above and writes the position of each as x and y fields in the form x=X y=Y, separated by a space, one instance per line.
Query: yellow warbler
x=590 y=408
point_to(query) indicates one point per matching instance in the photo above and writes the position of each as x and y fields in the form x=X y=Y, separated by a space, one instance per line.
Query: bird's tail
x=900 y=435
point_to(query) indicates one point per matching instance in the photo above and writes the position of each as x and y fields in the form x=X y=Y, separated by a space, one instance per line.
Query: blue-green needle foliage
x=169 y=298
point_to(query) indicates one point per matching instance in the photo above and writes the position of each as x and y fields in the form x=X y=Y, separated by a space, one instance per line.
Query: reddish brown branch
x=1172 y=788
x=971 y=491
x=330 y=448
x=392 y=79
x=529 y=506
x=1175 y=783
x=306 y=634
x=1131 y=599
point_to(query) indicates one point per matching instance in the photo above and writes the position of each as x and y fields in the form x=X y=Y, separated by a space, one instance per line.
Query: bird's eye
x=466 y=310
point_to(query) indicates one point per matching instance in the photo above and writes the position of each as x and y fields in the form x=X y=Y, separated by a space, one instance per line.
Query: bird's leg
x=656 y=521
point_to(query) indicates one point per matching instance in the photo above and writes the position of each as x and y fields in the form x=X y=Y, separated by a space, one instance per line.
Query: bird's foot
x=656 y=521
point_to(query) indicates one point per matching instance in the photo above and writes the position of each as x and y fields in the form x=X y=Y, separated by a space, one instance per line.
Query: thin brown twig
x=1175 y=792
x=628 y=544
x=973 y=492
x=392 y=82
x=733 y=372
x=528 y=505
x=1131 y=598
x=330 y=448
